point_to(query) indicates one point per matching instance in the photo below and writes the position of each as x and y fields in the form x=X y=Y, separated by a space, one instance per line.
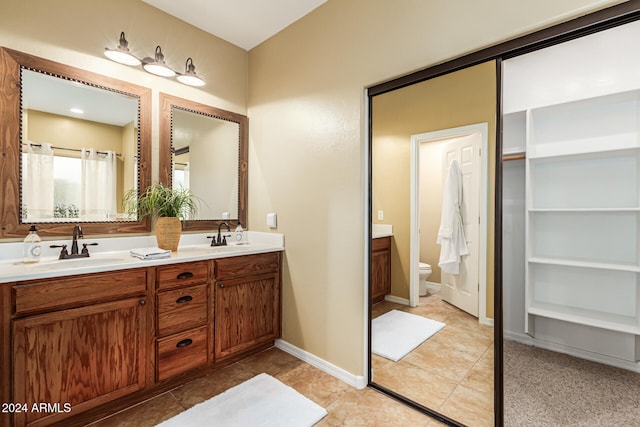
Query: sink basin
x=64 y=264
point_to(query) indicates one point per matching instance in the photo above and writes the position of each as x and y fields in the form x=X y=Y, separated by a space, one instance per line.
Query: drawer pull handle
x=185 y=275
x=184 y=299
x=184 y=343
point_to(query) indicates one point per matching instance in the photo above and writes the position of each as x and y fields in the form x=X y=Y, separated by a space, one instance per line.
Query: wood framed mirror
x=46 y=147
x=205 y=149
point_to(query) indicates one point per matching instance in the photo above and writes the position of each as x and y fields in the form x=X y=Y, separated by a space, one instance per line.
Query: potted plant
x=167 y=207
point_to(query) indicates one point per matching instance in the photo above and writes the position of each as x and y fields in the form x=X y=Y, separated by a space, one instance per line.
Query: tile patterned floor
x=346 y=406
x=451 y=372
x=455 y=366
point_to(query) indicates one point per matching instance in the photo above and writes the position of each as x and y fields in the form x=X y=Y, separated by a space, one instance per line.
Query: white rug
x=396 y=333
x=260 y=401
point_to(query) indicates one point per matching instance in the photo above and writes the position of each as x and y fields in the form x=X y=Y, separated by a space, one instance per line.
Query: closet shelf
x=585 y=264
x=583 y=205
x=629 y=325
x=607 y=149
x=583 y=210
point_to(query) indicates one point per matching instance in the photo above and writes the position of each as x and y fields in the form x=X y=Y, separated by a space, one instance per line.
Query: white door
x=461 y=289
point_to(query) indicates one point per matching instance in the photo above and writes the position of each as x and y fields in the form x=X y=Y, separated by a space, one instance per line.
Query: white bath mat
x=261 y=401
x=396 y=333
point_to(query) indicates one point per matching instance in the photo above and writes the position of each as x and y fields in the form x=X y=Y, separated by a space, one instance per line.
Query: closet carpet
x=544 y=388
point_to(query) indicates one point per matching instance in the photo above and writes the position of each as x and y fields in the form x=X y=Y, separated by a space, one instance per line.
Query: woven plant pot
x=168 y=230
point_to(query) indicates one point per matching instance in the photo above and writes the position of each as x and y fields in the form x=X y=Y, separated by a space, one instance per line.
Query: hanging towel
x=451 y=238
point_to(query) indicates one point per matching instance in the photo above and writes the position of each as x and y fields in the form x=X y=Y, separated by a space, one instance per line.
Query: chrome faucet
x=77 y=234
x=220 y=240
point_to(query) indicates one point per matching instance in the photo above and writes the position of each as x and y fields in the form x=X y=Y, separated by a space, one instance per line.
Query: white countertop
x=381 y=230
x=113 y=254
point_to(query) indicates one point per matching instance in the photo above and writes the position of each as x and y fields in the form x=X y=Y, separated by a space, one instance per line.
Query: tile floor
x=459 y=380
x=346 y=406
x=451 y=372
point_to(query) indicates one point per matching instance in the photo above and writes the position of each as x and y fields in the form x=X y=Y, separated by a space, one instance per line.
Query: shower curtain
x=37 y=181
x=98 y=201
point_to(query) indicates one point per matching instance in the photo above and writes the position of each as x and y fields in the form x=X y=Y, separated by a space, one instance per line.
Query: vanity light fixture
x=121 y=54
x=190 y=77
x=155 y=65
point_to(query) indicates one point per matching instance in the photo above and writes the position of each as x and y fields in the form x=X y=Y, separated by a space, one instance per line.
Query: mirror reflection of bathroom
x=433 y=145
x=571 y=209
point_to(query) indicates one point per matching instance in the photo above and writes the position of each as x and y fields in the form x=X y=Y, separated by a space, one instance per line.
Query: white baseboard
x=397 y=300
x=487 y=321
x=357 y=381
x=572 y=351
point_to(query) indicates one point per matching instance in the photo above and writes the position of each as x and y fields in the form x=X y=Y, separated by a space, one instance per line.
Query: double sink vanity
x=86 y=337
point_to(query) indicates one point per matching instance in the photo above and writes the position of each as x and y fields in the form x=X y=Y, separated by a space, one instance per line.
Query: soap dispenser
x=31 y=246
x=239 y=233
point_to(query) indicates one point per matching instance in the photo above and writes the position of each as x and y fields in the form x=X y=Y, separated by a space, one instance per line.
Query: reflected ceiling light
x=190 y=77
x=121 y=54
x=157 y=65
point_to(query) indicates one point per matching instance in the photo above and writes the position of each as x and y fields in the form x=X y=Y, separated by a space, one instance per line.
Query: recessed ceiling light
x=76 y=111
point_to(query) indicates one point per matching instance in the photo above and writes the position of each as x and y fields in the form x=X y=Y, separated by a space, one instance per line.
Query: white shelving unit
x=583 y=212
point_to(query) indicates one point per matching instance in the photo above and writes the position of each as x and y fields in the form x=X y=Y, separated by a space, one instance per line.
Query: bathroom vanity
x=380 y=268
x=85 y=339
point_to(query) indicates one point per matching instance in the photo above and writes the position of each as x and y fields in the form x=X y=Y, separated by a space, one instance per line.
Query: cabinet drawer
x=181 y=352
x=247 y=265
x=74 y=291
x=381 y=244
x=188 y=273
x=181 y=309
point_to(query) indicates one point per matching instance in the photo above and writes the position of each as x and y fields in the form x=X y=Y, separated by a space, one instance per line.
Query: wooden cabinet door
x=247 y=313
x=380 y=275
x=82 y=357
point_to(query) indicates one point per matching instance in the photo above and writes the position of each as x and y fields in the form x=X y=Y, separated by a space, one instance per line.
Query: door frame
x=416 y=140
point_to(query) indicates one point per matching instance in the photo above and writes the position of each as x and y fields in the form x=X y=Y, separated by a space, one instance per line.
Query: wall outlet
x=380 y=215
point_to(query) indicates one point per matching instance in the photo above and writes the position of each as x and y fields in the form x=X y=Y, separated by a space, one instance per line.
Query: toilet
x=423 y=274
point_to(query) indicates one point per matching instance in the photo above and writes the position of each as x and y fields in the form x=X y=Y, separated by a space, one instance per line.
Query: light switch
x=272 y=220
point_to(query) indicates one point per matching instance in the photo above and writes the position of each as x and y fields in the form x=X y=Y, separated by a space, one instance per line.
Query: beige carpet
x=544 y=388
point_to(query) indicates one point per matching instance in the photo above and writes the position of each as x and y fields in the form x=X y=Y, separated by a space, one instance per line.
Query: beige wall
x=457 y=99
x=306 y=116
x=307 y=142
x=431 y=204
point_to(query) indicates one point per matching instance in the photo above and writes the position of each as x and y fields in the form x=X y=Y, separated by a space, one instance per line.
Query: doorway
x=468 y=145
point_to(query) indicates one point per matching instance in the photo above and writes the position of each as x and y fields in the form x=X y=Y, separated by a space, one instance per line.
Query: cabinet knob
x=222 y=285
x=143 y=302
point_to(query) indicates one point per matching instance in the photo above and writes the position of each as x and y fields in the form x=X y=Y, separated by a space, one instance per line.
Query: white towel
x=150 y=253
x=451 y=238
